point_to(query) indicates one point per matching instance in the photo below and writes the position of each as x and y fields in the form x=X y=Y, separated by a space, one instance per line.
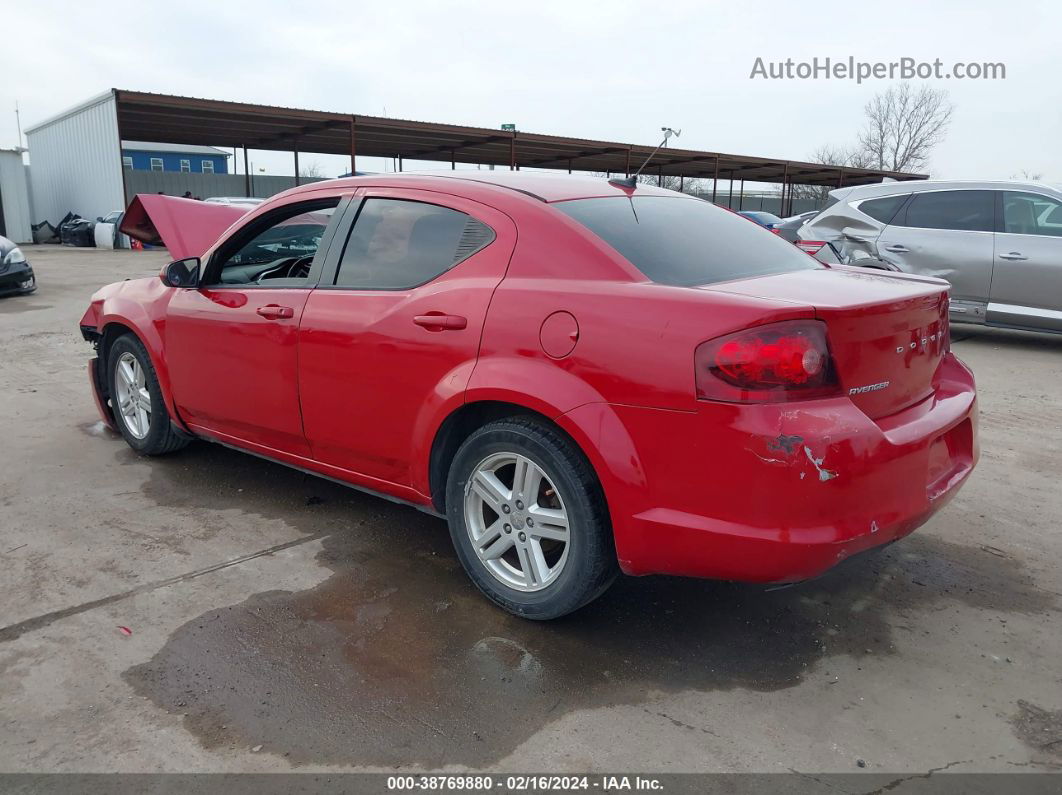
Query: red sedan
x=582 y=377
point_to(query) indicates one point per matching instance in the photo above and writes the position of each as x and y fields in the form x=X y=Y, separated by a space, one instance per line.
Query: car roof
x=920 y=186
x=546 y=187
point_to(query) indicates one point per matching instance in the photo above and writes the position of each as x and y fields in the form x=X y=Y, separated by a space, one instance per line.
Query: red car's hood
x=184 y=226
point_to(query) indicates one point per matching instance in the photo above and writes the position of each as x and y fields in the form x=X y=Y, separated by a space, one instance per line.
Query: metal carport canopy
x=188 y=120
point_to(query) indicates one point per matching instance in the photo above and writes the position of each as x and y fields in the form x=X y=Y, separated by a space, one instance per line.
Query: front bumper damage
x=17 y=279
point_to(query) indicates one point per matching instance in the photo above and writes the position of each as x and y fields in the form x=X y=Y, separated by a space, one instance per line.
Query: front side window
x=1031 y=214
x=398 y=244
x=279 y=246
x=156 y=164
x=685 y=242
x=962 y=210
x=208 y=166
x=882 y=210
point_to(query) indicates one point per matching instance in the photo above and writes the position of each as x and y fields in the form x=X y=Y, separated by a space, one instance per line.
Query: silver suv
x=998 y=243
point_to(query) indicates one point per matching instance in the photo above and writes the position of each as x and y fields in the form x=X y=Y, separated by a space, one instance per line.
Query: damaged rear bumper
x=783 y=492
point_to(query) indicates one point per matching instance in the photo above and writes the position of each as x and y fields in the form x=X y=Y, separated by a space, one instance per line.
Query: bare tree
x=671 y=183
x=849 y=157
x=1028 y=176
x=830 y=155
x=903 y=126
x=311 y=171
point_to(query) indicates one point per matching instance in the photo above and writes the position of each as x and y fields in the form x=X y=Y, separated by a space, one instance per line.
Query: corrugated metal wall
x=764 y=202
x=14 y=195
x=76 y=163
x=175 y=183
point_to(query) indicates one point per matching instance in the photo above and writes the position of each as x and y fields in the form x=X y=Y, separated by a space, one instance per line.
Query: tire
x=149 y=432
x=564 y=574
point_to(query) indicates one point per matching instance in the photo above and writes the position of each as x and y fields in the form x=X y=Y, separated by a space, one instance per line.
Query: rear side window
x=1031 y=214
x=964 y=210
x=397 y=244
x=883 y=209
x=685 y=242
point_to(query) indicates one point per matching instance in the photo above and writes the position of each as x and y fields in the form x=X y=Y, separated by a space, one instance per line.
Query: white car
x=998 y=243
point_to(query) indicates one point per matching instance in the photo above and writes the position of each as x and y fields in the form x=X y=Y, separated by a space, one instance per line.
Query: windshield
x=684 y=241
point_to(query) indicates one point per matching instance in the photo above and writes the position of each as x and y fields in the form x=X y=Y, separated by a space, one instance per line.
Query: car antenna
x=632 y=181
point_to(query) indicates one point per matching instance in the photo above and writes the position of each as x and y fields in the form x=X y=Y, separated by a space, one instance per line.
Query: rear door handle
x=437 y=321
x=897 y=248
x=1013 y=255
x=275 y=312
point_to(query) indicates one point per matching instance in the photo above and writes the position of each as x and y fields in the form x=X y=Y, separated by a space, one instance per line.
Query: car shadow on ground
x=1008 y=338
x=395 y=658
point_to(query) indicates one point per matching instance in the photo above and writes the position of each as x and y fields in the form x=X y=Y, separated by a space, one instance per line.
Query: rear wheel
x=528 y=519
x=136 y=400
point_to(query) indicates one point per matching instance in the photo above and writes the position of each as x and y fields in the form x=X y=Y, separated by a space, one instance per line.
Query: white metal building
x=76 y=162
x=15 y=218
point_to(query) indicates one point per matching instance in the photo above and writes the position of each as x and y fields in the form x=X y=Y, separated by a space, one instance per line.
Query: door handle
x=437 y=321
x=1013 y=255
x=275 y=312
x=897 y=248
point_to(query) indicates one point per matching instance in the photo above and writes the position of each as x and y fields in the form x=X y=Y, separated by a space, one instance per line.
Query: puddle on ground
x=11 y=305
x=396 y=658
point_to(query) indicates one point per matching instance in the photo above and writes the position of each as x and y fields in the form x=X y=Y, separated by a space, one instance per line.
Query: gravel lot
x=278 y=620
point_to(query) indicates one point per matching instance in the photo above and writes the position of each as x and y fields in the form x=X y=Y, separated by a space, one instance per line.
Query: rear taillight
x=767 y=364
x=810 y=246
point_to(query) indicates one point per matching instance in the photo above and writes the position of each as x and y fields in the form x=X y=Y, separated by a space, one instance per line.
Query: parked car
x=16 y=275
x=582 y=377
x=998 y=243
x=766 y=220
x=787 y=227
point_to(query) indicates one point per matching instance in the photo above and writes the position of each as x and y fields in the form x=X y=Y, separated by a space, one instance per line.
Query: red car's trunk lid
x=887 y=332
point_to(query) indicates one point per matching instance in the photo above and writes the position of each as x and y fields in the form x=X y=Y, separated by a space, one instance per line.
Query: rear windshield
x=684 y=241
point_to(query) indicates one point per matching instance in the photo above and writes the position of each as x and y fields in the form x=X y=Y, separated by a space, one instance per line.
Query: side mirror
x=182 y=273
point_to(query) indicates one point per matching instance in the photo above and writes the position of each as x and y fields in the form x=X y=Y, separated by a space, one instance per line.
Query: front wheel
x=136 y=400
x=528 y=519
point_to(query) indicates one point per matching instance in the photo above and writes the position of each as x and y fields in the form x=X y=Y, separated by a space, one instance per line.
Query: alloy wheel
x=517 y=522
x=134 y=399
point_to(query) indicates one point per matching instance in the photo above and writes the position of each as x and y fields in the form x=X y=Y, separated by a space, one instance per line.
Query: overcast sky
x=614 y=71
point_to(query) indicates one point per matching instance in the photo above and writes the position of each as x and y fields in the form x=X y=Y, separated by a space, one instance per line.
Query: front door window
x=276 y=250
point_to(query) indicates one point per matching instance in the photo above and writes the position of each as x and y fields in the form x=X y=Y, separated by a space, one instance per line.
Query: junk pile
x=77 y=231
x=44 y=232
x=74 y=230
